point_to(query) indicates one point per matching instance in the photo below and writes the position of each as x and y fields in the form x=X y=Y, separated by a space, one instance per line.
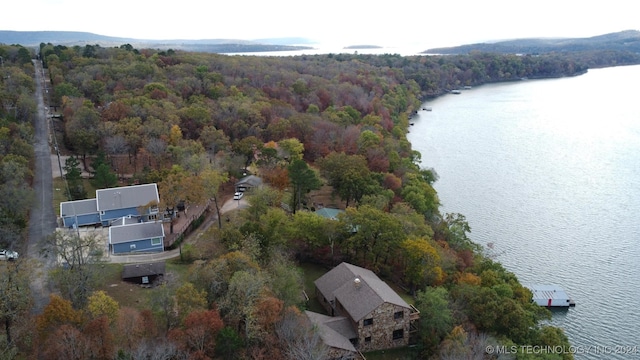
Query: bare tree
x=115 y=145
x=152 y=349
x=157 y=148
x=15 y=295
x=301 y=339
x=78 y=257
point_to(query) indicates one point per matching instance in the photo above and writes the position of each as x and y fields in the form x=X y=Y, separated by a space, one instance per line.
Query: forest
x=193 y=123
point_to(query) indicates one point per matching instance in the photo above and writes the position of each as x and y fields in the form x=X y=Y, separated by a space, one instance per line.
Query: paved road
x=42 y=220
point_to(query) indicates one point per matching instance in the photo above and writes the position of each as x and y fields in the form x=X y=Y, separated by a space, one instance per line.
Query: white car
x=8 y=255
x=238 y=195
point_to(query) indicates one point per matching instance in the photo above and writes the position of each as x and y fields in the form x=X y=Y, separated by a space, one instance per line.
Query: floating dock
x=550 y=296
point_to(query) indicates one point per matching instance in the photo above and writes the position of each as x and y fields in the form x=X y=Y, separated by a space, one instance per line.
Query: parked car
x=238 y=195
x=8 y=255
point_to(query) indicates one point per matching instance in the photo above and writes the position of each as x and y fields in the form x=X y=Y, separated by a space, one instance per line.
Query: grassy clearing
x=403 y=294
x=126 y=294
x=405 y=353
x=134 y=295
x=60 y=193
x=311 y=273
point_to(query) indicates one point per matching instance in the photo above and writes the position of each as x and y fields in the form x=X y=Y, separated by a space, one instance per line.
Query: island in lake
x=363 y=47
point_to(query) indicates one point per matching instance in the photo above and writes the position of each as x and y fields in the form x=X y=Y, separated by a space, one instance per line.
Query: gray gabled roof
x=126 y=197
x=132 y=232
x=358 y=297
x=125 y=220
x=334 y=331
x=78 y=207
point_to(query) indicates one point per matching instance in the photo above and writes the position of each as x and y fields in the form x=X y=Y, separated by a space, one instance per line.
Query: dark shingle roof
x=334 y=331
x=126 y=197
x=360 y=297
x=137 y=270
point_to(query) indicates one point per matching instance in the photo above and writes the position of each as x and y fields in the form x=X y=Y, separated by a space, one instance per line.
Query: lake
x=548 y=173
x=323 y=49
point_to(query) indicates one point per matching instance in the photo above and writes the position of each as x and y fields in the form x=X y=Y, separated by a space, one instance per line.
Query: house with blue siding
x=79 y=213
x=129 y=235
x=116 y=203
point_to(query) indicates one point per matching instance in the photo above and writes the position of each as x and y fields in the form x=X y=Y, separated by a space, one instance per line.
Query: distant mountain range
x=73 y=38
x=628 y=40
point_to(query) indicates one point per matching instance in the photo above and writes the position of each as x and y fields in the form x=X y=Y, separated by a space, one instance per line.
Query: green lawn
x=60 y=193
x=126 y=294
x=400 y=291
x=311 y=273
x=405 y=353
x=134 y=295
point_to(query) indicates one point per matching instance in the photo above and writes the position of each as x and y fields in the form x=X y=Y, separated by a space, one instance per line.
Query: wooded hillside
x=192 y=122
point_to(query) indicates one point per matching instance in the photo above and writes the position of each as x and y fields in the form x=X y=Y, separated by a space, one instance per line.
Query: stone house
x=378 y=317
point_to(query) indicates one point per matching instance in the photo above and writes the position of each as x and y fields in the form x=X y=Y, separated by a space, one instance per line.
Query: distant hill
x=34 y=38
x=73 y=38
x=628 y=40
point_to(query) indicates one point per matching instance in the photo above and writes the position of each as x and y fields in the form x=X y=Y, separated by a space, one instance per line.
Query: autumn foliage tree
x=422 y=263
x=191 y=118
x=198 y=333
x=100 y=304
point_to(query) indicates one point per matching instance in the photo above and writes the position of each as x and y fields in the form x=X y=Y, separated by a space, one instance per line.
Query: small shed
x=550 y=296
x=145 y=273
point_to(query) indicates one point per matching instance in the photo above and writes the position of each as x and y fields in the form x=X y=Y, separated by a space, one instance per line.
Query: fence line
x=185 y=228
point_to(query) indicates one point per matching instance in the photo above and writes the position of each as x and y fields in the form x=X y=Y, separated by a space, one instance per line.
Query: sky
x=427 y=24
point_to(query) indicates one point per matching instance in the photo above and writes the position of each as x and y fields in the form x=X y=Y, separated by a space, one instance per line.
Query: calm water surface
x=548 y=171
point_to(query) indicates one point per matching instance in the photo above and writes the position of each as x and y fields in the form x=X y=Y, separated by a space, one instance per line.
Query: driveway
x=58 y=167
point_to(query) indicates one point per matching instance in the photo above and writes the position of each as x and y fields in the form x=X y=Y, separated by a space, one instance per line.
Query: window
x=367 y=339
x=398 y=315
x=367 y=322
x=398 y=334
x=156 y=241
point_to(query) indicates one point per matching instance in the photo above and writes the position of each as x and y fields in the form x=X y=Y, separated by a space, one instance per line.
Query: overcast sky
x=427 y=24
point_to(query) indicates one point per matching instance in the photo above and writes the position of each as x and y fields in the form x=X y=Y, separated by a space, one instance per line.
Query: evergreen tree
x=303 y=179
x=73 y=175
